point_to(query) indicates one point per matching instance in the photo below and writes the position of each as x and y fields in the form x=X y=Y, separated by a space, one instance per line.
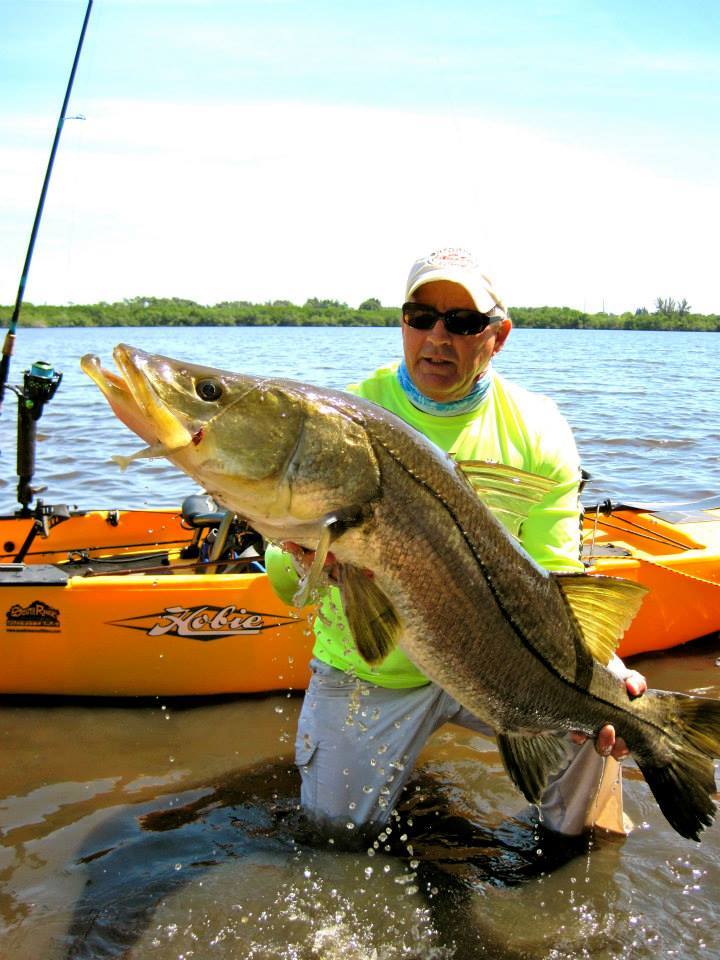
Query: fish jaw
x=171 y=431
x=120 y=398
x=285 y=456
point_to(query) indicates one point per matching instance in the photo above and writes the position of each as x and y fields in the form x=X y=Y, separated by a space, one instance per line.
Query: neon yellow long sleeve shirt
x=512 y=426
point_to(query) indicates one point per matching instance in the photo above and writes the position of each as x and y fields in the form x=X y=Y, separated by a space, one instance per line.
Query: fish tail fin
x=684 y=787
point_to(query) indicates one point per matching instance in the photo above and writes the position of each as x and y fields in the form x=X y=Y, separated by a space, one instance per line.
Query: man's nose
x=438 y=331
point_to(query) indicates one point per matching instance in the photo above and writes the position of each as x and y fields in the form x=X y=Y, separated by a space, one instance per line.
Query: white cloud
x=286 y=200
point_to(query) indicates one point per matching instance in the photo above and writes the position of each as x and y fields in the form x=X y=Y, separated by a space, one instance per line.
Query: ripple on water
x=629 y=386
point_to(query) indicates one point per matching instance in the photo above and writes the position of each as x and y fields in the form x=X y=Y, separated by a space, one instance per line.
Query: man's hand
x=304 y=559
x=606 y=743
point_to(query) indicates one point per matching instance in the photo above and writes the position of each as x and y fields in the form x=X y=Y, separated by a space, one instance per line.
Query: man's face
x=444 y=366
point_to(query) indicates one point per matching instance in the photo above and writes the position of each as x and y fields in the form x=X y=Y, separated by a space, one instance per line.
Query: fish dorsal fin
x=372 y=618
x=507 y=492
x=604 y=607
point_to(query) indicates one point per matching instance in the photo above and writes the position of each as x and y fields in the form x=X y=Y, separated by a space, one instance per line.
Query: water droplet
x=350 y=825
x=368 y=872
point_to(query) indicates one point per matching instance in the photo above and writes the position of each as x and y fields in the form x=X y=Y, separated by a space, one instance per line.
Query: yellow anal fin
x=372 y=618
x=604 y=607
x=530 y=759
x=507 y=492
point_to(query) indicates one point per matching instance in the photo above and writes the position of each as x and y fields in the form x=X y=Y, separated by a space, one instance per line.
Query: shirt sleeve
x=551 y=531
x=281 y=573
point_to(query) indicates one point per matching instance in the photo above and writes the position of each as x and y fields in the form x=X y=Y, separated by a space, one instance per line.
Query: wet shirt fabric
x=511 y=426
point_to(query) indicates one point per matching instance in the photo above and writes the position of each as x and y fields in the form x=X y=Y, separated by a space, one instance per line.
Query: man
x=361 y=729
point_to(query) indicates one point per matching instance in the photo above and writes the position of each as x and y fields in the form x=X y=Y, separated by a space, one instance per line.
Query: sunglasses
x=461 y=321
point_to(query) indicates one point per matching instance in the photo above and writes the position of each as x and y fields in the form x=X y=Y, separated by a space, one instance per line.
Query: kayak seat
x=199 y=511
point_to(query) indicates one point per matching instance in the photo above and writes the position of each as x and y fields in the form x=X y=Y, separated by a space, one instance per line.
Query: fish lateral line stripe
x=524 y=639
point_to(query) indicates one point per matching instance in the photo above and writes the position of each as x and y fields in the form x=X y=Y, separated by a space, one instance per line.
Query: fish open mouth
x=135 y=402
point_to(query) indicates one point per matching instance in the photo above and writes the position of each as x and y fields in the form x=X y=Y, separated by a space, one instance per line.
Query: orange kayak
x=128 y=603
x=672 y=550
x=136 y=603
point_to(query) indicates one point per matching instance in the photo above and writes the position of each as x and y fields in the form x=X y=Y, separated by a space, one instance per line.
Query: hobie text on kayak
x=205 y=622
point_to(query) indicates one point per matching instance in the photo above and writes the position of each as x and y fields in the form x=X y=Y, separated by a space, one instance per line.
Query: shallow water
x=168 y=829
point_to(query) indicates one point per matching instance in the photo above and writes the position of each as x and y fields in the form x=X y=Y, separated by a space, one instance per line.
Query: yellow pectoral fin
x=373 y=620
x=604 y=608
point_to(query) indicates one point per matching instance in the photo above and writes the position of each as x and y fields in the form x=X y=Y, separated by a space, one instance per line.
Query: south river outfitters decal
x=204 y=622
x=36 y=616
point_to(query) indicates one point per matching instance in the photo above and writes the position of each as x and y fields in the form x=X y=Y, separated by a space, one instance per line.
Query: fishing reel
x=40 y=383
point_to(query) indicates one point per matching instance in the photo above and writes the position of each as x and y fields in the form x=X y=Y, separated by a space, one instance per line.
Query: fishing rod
x=12 y=327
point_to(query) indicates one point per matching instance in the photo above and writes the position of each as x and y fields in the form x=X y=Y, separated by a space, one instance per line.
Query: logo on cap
x=452 y=257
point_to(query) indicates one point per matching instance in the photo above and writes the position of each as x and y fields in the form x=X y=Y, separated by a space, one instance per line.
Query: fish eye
x=208 y=390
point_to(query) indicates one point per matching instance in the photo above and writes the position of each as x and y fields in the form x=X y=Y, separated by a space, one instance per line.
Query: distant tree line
x=669 y=314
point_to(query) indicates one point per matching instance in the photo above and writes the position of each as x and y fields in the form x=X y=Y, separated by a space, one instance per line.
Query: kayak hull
x=105 y=604
x=134 y=635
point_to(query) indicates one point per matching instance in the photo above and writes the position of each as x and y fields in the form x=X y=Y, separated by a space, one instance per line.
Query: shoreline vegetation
x=172 y=312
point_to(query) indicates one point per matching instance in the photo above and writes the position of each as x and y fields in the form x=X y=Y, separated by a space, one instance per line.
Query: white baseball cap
x=458 y=266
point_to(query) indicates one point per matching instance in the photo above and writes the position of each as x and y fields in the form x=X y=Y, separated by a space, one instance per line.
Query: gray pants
x=357 y=744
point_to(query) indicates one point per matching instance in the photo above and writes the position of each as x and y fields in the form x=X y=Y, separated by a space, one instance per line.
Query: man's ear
x=502 y=335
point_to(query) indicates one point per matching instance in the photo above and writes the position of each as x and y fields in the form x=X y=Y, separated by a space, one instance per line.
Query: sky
x=286 y=149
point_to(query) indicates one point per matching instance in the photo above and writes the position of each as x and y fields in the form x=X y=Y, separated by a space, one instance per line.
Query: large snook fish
x=523 y=649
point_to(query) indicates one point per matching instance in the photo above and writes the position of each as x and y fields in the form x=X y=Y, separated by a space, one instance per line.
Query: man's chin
x=440 y=387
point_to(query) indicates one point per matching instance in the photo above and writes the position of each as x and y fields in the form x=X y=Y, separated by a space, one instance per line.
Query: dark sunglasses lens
x=460 y=322
x=465 y=322
x=419 y=317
